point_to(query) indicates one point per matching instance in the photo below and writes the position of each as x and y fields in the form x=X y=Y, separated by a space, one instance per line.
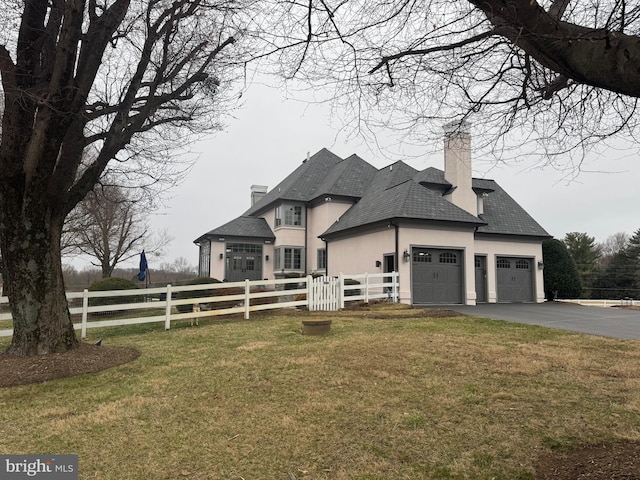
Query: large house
x=453 y=239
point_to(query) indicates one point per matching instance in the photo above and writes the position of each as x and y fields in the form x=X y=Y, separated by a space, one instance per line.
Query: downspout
x=326 y=257
x=396 y=260
x=306 y=231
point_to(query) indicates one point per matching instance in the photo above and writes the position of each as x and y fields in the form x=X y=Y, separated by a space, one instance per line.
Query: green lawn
x=381 y=398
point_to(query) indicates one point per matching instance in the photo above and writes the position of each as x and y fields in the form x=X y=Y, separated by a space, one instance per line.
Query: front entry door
x=244 y=262
x=481 y=279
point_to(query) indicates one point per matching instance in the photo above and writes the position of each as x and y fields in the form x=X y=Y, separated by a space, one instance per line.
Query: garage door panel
x=514 y=279
x=436 y=276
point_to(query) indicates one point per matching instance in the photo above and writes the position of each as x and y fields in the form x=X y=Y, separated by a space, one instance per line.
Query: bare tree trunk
x=63 y=96
x=32 y=271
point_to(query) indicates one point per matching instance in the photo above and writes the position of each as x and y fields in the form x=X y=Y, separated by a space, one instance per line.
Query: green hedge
x=218 y=292
x=561 y=276
x=113 y=283
x=352 y=293
x=292 y=286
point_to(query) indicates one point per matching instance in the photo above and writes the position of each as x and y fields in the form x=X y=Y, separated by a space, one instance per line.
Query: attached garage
x=515 y=279
x=436 y=276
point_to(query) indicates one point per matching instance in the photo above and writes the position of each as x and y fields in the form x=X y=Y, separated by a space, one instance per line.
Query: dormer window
x=481 y=203
x=289 y=215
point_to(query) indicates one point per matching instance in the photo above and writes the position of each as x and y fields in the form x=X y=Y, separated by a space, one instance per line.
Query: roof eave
x=396 y=220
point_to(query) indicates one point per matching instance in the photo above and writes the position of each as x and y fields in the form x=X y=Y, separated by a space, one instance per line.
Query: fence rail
x=623 y=302
x=164 y=304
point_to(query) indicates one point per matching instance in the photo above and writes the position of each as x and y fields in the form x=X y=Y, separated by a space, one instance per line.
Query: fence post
x=341 y=287
x=167 y=312
x=247 y=291
x=310 y=303
x=395 y=277
x=366 y=288
x=85 y=312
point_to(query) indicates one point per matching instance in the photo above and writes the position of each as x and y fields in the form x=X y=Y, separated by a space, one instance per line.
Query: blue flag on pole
x=143 y=267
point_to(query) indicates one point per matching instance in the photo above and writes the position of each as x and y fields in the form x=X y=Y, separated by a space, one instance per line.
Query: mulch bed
x=87 y=358
x=609 y=461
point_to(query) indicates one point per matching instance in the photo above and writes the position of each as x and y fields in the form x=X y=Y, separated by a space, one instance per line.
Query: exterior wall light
x=266 y=258
x=221 y=256
x=541 y=265
x=405 y=255
x=378 y=263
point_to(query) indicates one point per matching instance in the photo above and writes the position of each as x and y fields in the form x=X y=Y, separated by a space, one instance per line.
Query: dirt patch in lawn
x=87 y=358
x=384 y=310
x=609 y=461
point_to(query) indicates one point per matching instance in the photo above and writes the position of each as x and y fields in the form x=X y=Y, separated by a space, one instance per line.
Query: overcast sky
x=271 y=135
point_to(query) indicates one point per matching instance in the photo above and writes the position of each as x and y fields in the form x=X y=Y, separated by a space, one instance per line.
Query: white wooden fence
x=161 y=305
x=625 y=302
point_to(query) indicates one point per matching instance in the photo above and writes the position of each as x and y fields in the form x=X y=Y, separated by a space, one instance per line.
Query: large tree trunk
x=30 y=231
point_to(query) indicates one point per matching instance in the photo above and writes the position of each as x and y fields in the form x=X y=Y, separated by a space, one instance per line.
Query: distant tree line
x=165 y=272
x=578 y=266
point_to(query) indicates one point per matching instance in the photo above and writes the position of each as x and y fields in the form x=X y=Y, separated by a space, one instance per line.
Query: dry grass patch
x=391 y=393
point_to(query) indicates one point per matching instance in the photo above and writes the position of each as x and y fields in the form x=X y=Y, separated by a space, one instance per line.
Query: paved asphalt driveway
x=608 y=322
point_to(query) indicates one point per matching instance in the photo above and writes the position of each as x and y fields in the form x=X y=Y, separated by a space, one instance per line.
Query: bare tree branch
x=426 y=51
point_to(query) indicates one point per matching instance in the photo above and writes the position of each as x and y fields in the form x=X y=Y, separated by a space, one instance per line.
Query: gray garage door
x=436 y=276
x=514 y=279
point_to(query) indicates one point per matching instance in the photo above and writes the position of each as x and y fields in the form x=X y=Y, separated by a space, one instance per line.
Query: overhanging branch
x=426 y=51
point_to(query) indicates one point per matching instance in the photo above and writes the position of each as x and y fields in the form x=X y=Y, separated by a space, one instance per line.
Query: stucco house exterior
x=453 y=239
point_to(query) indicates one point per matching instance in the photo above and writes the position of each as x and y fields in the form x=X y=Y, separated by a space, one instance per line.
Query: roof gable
x=302 y=183
x=393 y=175
x=503 y=215
x=349 y=178
x=431 y=175
x=405 y=200
x=242 y=227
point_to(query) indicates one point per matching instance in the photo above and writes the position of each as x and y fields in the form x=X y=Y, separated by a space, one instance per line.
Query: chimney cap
x=456 y=127
x=259 y=188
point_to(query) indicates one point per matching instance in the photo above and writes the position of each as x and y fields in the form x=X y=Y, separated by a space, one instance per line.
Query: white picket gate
x=324 y=293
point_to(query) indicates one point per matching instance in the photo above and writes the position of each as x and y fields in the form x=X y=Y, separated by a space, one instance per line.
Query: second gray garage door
x=436 y=276
x=514 y=279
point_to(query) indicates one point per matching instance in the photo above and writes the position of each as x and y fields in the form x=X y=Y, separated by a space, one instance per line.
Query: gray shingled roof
x=395 y=191
x=324 y=173
x=348 y=178
x=431 y=175
x=400 y=200
x=505 y=216
x=243 y=227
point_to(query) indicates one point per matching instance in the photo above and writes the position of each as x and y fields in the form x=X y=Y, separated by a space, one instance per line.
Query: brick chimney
x=257 y=192
x=457 y=166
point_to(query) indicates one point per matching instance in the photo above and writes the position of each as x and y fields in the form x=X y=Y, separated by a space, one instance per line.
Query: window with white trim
x=288 y=258
x=289 y=215
x=278 y=215
x=322 y=259
x=204 y=269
